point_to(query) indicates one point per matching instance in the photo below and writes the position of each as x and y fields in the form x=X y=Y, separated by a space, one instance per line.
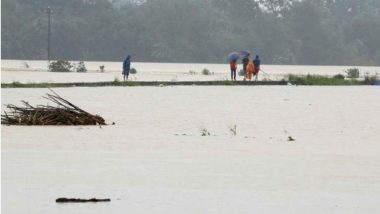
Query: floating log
x=78 y=200
x=65 y=113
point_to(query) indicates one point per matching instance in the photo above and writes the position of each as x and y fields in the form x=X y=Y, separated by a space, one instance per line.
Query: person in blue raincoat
x=126 y=67
x=256 y=70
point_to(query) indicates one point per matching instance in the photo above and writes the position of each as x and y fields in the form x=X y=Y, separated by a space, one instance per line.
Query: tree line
x=312 y=32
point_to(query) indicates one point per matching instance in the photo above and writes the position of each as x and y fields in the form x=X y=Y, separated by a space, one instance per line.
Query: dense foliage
x=66 y=66
x=60 y=66
x=339 y=32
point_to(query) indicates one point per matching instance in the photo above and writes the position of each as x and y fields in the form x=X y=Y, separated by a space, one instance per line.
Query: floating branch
x=65 y=113
x=78 y=200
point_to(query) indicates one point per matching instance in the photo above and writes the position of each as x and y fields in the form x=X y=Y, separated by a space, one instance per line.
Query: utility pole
x=48 y=11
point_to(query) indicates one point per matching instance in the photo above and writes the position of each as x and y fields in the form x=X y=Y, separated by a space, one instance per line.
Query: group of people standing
x=250 y=67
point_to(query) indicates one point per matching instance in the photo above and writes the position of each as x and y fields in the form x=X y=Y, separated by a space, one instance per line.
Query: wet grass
x=320 y=80
x=307 y=80
x=139 y=83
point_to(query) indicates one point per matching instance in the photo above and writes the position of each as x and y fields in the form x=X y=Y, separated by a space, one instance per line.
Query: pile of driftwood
x=65 y=113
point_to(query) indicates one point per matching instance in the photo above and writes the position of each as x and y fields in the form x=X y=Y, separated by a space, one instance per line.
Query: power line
x=48 y=11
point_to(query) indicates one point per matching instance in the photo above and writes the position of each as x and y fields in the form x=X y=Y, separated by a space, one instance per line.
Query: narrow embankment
x=139 y=83
x=296 y=80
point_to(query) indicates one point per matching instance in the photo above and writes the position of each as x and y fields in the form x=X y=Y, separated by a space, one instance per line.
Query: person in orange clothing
x=249 y=71
x=233 y=67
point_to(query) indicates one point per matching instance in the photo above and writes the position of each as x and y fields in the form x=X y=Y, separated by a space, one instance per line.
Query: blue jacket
x=127 y=65
x=257 y=61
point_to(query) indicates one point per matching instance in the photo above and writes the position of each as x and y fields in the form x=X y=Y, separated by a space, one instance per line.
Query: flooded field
x=154 y=159
x=36 y=71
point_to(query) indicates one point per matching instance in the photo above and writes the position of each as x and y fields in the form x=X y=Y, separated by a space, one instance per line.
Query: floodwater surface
x=154 y=159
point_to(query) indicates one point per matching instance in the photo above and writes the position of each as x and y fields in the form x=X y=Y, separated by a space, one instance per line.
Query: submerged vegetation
x=80 y=67
x=291 y=78
x=372 y=79
x=233 y=130
x=205 y=132
x=339 y=76
x=351 y=78
x=321 y=80
x=133 y=71
x=353 y=73
x=66 y=66
x=60 y=66
x=65 y=113
x=102 y=68
x=205 y=71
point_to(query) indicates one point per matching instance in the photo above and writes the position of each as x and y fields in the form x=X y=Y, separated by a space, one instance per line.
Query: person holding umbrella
x=232 y=58
x=245 y=60
x=233 y=67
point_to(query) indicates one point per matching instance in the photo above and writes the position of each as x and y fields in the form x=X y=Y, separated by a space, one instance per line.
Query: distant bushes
x=205 y=71
x=321 y=80
x=80 y=67
x=60 y=66
x=372 y=79
x=353 y=73
x=66 y=66
x=133 y=71
x=102 y=68
x=350 y=79
x=339 y=77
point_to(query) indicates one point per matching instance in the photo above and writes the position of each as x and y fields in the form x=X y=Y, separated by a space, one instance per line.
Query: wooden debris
x=78 y=200
x=65 y=113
